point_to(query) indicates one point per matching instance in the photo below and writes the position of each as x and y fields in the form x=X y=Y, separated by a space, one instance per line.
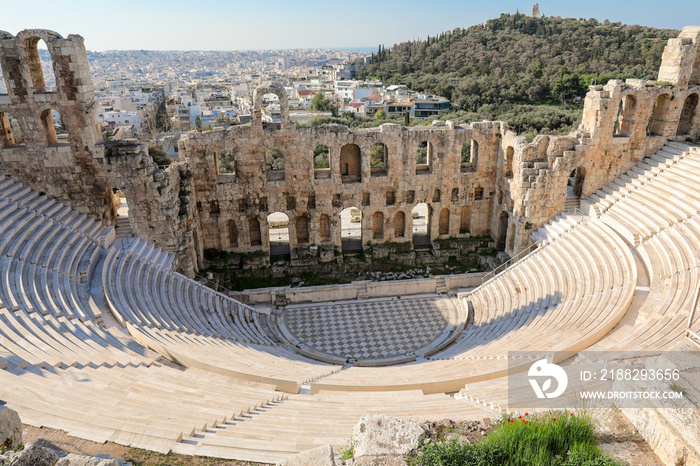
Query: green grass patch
x=531 y=440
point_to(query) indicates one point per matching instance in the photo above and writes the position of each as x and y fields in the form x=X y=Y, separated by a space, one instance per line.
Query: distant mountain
x=521 y=59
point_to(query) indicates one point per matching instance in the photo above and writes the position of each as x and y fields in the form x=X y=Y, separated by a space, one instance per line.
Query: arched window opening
x=437 y=195
x=49 y=128
x=400 y=224
x=502 y=231
x=302 y=229
x=574 y=185
x=39 y=64
x=324 y=228
x=278 y=229
x=464 y=219
x=469 y=153
x=685 y=125
x=271 y=111
x=455 y=195
x=3 y=85
x=379 y=156
x=10 y=132
x=254 y=232
x=444 y=222
x=226 y=162
x=421 y=226
x=274 y=164
x=322 y=162
x=424 y=158
x=509 y=162
x=390 y=198
x=659 y=116
x=378 y=225
x=232 y=234
x=625 y=116
x=351 y=230
x=350 y=163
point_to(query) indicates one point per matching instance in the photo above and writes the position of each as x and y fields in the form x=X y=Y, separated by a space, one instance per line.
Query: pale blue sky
x=267 y=24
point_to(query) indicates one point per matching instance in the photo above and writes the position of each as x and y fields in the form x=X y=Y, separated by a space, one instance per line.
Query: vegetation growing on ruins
x=561 y=439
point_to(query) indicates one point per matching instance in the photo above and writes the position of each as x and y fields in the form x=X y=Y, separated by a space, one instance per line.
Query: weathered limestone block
x=32 y=455
x=10 y=428
x=82 y=460
x=320 y=456
x=382 y=435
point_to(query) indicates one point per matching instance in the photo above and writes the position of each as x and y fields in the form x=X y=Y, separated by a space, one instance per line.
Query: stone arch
x=424 y=157
x=685 y=125
x=278 y=234
x=379 y=159
x=574 y=185
x=48 y=127
x=400 y=224
x=695 y=73
x=350 y=163
x=444 y=222
x=625 y=116
x=351 y=230
x=502 y=230
x=324 y=228
x=509 y=161
x=301 y=228
x=30 y=40
x=421 y=225
x=270 y=88
x=11 y=133
x=659 y=115
x=232 y=234
x=465 y=219
x=378 y=225
x=254 y=235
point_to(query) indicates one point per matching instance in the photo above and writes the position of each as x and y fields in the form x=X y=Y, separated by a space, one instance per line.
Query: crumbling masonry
x=505 y=188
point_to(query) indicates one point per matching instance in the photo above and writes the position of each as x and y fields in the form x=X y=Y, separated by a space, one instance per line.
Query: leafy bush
x=528 y=440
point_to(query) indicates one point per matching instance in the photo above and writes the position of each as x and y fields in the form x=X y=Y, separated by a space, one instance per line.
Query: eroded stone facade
x=507 y=188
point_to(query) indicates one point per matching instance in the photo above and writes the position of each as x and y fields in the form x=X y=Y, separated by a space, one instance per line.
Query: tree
x=380 y=115
x=320 y=103
x=198 y=123
x=158 y=155
x=274 y=159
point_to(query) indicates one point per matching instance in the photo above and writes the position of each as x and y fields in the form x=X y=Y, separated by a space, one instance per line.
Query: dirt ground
x=59 y=440
x=618 y=438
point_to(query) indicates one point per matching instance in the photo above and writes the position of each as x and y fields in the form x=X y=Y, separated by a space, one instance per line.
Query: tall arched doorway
x=502 y=231
x=278 y=231
x=350 y=163
x=685 y=125
x=351 y=230
x=421 y=226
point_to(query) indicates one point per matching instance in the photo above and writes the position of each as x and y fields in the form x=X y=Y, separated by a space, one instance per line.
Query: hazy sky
x=276 y=24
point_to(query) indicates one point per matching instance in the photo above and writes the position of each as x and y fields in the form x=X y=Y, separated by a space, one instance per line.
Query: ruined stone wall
x=82 y=170
x=221 y=192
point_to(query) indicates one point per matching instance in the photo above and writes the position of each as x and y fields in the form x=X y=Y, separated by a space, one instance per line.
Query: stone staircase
x=123 y=227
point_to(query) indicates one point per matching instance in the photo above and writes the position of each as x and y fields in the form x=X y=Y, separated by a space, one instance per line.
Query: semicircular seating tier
x=620 y=277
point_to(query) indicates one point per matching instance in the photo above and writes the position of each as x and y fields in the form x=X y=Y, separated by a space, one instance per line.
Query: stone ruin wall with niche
x=510 y=187
x=83 y=170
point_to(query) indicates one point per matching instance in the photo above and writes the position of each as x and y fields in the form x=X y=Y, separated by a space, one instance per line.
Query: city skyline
x=179 y=25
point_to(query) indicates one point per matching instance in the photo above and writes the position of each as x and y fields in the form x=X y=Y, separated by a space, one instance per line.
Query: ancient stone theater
x=109 y=336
